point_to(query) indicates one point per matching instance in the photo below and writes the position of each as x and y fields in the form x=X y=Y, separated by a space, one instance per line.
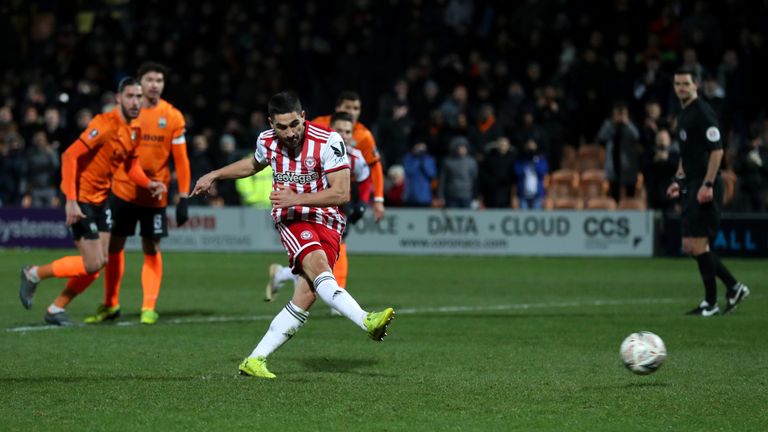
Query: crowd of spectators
x=471 y=101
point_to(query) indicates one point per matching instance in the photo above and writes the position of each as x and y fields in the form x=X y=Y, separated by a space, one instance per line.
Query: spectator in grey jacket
x=41 y=165
x=622 y=154
x=458 y=178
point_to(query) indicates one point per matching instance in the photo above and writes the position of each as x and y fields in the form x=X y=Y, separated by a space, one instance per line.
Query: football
x=643 y=352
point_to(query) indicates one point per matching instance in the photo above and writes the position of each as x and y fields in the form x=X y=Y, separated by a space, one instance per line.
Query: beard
x=128 y=113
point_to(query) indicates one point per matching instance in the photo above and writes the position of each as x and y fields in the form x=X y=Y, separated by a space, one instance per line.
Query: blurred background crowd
x=473 y=103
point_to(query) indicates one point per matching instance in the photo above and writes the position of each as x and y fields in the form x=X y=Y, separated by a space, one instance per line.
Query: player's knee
x=688 y=248
x=315 y=263
x=94 y=265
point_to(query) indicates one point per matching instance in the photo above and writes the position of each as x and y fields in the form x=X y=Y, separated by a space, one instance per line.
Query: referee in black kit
x=700 y=188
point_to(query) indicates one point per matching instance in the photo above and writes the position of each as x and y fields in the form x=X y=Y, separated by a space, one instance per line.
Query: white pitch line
x=400 y=311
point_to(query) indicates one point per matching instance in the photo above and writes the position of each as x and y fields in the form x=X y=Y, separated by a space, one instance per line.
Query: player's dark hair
x=684 y=70
x=341 y=116
x=347 y=95
x=125 y=82
x=283 y=103
x=147 y=67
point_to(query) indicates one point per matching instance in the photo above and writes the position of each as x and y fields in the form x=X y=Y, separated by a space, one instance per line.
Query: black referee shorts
x=701 y=220
x=152 y=220
x=98 y=218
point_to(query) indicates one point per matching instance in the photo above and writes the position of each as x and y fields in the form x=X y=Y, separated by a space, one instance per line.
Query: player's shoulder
x=364 y=138
x=354 y=152
x=362 y=129
x=268 y=134
x=105 y=123
x=321 y=134
x=705 y=109
x=169 y=109
x=316 y=130
x=322 y=120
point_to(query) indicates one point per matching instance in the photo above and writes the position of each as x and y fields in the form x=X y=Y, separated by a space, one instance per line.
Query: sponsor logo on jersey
x=338 y=149
x=162 y=123
x=310 y=162
x=152 y=138
x=306 y=235
x=713 y=134
x=93 y=133
x=683 y=135
x=292 y=177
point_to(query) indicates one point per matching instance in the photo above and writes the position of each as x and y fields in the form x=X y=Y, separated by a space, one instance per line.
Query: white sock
x=53 y=309
x=284 y=275
x=283 y=327
x=32 y=275
x=338 y=298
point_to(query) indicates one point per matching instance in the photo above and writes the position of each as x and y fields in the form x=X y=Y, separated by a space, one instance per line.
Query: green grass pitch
x=478 y=344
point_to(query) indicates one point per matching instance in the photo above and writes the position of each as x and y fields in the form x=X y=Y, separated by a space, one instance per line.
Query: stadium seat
x=601 y=203
x=632 y=204
x=563 y=203
x=593 y=183
x=568 y=159
x=563 y=183
x=590 y=156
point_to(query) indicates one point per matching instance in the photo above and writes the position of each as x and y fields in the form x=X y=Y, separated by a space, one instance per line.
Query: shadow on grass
x=171 y=314
x=340 y=366
x=632 y=385
x=524 y=314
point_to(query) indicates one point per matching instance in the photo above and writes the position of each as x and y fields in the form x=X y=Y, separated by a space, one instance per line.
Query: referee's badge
x=713 y=134
x=683 y=135
x=162 y=123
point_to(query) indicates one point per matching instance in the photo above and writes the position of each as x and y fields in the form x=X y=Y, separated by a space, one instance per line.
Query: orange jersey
x=110 y=141
x=367 y=145
x=162 y=133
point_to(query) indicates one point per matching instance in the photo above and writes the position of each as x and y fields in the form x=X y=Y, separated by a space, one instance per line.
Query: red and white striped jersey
x=305 y=171
x=361 y=174
x=360 y=169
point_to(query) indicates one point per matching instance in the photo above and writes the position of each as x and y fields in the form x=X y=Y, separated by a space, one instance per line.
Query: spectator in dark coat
x=498 y=175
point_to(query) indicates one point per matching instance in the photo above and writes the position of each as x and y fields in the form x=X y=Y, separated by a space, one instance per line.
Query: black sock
x=722 y=272
x=707 y=271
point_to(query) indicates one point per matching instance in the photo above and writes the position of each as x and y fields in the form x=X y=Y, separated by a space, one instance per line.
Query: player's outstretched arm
x=242 y=168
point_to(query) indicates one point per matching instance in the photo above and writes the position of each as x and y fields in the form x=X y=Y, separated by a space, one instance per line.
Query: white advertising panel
x=433 y=232
x=502 y=232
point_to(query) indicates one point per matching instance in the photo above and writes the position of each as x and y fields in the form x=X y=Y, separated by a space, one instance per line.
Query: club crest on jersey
x=306 y=235
x=683 y=135
x=162 y=123
x=310 y=162
x=93 y=133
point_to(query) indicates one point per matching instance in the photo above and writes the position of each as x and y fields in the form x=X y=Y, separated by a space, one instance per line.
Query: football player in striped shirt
x=310 y=181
